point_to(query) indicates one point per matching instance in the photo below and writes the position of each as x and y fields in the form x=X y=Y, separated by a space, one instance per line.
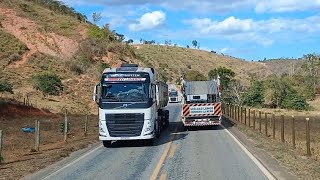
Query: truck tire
x=157 y=128
x=150 y=142
x=106 y=143
x=166 y=118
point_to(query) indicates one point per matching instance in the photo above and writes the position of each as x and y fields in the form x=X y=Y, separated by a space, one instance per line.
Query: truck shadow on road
x=174 y=132
x=226 y=124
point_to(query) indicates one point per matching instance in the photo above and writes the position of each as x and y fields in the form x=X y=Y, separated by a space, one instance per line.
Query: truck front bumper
x=104 y=138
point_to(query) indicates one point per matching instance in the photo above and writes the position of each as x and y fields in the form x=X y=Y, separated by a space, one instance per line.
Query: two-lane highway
x=210 y=153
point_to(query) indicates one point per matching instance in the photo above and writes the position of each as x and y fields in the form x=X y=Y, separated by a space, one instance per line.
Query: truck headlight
x=101 y=129
x=148 y=126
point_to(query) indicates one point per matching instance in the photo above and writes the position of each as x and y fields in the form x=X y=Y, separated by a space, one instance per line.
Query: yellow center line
x=163 y=176
x=172 y=150
x=162 y=159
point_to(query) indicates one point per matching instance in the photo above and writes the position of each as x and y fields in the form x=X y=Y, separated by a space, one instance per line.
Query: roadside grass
x=19 y=157
x=294 y=159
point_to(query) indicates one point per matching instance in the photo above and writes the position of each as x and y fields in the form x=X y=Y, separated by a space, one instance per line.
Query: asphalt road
x=195 y=154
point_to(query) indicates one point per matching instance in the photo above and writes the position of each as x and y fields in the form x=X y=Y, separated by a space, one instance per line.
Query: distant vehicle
x=173 y=96
x=131 y=104
x=202 y=103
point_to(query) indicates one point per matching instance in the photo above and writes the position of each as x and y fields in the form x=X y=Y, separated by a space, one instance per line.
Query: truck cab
x=173 y=96
x=130 y=106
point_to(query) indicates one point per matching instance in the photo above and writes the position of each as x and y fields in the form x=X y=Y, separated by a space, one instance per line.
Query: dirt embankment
x=35 y=37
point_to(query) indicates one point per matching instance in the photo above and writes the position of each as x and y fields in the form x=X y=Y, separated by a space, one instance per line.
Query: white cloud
x=230 y=25
x=264 y=32
x=286 y=5
x=149 y=21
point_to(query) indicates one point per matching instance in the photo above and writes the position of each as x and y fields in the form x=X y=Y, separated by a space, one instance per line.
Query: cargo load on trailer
x=131 y=104
x=201 y=103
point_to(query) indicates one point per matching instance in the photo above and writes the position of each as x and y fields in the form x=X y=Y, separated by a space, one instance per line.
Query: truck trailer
x=201 y=103
x=131 y=104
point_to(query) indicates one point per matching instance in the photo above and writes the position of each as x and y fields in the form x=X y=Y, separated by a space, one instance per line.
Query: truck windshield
x=125 y=92
x=172 y=94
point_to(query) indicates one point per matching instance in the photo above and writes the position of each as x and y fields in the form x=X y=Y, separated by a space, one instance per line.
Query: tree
x=312 y=68
x=130 y=41
x=254 y=96
x=195 y=43
x=48 y=83
x=279 y=92
x=188 y=46
x=235 y=93
x=120 y=37
x=226 y=75
x=96 y=17
x=5 y=87
x=193 y=75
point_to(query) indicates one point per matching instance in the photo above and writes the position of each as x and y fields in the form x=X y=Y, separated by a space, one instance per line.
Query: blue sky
x=248 y=29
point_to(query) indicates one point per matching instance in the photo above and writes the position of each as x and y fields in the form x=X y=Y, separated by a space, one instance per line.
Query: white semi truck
x=131 y=104
x=173 y=96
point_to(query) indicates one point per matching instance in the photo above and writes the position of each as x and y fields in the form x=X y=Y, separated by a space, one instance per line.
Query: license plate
x=124 y=138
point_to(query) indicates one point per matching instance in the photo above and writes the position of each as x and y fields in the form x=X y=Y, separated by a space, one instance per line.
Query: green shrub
x=5 y=87
x=254 y=96
x=76 y=68
x=294 y=101
x=48 y=83
x=193 y=75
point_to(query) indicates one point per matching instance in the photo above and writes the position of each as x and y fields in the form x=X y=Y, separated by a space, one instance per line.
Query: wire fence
x=300 y=132
x=30 y=135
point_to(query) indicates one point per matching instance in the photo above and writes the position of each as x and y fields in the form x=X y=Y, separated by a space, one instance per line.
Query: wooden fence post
x=86 y=126
x=260 y=121
x=282 y=128
x=37 y=135
x=249 y=118
x=239 y=113
x=308 y=136
x=1 y=147
x=293 y=133
x=274 y=126
x=254 y=119
x=245 y=116
x=266 y=123
x=65 y=132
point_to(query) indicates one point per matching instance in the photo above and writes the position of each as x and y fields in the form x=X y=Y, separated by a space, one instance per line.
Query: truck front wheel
x=166 y=118
x=157 y=128
x=106 y=143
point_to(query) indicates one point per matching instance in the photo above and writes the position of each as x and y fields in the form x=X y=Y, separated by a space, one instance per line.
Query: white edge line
x=72 y=162
x=251 y=156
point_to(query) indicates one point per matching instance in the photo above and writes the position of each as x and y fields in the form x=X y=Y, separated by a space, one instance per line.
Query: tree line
x=276 y=91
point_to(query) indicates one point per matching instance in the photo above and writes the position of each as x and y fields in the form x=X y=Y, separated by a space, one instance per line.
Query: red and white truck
x=201 y=103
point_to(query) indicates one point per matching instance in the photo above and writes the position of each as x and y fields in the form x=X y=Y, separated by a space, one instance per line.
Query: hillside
x=173 y=62
x=45 y=36
x=40 y=36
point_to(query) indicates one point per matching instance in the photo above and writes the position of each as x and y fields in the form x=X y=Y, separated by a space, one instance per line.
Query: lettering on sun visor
x=125 y=79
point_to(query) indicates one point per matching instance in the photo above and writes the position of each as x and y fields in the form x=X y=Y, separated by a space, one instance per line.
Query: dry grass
x=296 y=159
x=174 y=61
x=18 y=153
x=48 y=20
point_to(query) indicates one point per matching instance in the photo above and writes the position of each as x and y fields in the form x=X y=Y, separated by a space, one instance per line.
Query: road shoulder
x=63 y=163
x=261 y=155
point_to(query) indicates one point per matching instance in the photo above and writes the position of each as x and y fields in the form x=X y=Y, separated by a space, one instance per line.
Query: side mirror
x=96 y=94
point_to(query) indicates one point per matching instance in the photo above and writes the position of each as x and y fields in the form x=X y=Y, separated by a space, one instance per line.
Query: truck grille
x=173 y=99
x=124 y=125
